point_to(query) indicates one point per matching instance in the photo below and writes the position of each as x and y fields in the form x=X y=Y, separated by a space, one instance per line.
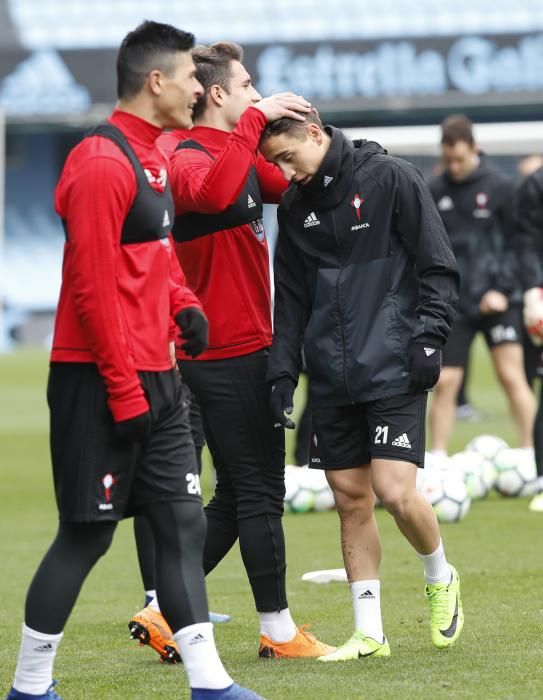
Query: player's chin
x=180 y=120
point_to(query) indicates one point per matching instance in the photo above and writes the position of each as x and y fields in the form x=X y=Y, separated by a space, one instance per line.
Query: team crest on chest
x=357 y=202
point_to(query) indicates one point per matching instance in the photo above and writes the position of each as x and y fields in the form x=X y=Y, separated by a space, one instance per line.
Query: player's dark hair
x=213 y=67
x=455 y=128
x=292 y=127
x=150 y=46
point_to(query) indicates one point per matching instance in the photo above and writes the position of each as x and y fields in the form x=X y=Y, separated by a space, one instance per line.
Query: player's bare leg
x=361 y=548
x=394 y=483
x=443 y=407
x=508 y=361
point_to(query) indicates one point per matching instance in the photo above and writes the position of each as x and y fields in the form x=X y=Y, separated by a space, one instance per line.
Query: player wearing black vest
x=219 y=183
x=120 y=438
x=476 y=204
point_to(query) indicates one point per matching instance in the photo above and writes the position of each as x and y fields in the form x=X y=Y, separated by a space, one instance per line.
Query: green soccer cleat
x=446 y=614
x=358 y=647
x=536 y=504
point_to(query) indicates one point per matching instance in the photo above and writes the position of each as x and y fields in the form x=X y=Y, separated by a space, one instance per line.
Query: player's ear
x=216 y=94
x=314 y=133
x=154 y=80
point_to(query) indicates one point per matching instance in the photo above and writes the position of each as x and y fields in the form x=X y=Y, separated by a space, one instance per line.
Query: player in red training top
x=120 y=439
x=219 y=184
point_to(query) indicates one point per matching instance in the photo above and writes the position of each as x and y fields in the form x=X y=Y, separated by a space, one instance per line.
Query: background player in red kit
x=219 y=183
x=120 y=439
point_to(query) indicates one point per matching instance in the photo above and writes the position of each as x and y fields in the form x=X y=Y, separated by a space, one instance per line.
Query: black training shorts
x=351 y=436
x=497 y=329
x=100 y=477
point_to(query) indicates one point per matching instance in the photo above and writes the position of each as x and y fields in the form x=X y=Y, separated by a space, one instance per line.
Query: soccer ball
x=299 y=496
x=486 y=445
x=315 y=480
x=430 y=484
x=454 y=502
x=478 y=473
x=437 y=462
x=515 y=470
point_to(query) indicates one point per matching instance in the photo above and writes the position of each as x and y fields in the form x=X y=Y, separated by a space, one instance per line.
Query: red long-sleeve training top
x=116 y=300
x=228 y=270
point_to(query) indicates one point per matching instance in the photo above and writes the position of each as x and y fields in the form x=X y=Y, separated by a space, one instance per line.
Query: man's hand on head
x=283 y=104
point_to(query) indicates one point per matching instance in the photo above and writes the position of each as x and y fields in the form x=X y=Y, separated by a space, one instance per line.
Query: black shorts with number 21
x=351 y=436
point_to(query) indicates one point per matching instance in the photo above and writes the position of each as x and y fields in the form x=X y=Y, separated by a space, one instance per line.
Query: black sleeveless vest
x=151 y=213
x=247 y=209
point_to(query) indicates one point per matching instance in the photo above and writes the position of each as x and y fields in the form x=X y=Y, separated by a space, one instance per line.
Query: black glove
x=194 y=329
x=281 y=402
x=424 y=366
x=137 y=429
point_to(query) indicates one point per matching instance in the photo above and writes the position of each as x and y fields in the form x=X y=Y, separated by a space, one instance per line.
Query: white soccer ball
x=486 y=445
x=533 y=314
x=315 y=480
x=430 y=484
x=515 y=471
x=454 y=502
x=299 y=496
x=438 y=462
x=478 y=473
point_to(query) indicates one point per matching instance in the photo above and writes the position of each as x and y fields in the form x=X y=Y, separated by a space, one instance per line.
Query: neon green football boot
x=358 y=647
x=446 y=614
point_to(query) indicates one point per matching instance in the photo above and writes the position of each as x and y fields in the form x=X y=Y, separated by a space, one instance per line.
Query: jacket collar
x=333 y=179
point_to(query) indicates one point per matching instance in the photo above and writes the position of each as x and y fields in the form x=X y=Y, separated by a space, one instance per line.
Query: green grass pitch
x=498 y=550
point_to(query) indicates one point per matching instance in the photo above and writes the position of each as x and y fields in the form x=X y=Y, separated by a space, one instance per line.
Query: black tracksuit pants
x=249 y=455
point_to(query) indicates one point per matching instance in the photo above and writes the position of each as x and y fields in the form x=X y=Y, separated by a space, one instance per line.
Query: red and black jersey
x=118 y=293
x=219 y=181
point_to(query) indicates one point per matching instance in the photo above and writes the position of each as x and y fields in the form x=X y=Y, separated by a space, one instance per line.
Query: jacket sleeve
x=291 y=308
x=200 y=184
x=505 y=278
x=528 y=237
x=272 y=181
x=422 y=233
x=94 y=210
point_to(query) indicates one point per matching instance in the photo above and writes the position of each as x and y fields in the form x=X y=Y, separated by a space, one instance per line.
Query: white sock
x=436 y=569
x=278 y=626
x=34 y=672
x=154 y=604
x=366 y=596
x=200 y=657
x=439 y=453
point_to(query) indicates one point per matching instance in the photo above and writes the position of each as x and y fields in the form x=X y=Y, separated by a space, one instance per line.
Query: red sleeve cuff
x=128 y=407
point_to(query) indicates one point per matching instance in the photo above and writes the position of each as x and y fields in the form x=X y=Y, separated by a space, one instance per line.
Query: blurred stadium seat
x=72 y=25
x=32 y=258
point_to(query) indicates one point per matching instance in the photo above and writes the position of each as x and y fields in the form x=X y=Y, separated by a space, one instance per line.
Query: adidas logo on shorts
x=402 y=441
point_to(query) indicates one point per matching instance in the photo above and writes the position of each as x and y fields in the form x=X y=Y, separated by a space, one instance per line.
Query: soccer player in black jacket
x=476 y=204
x=365 y=281
x=529 y=247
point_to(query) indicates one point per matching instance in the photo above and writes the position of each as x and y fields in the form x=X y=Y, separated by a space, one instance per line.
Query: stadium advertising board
x=343 y=76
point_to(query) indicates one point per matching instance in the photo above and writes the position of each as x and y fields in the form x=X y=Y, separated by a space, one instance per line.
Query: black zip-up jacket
x=478 y=217
x=363 y=268
x=528 y=240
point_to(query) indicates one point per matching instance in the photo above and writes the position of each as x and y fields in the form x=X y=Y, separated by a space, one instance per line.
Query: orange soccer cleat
x=149 y=627
x=304 y=644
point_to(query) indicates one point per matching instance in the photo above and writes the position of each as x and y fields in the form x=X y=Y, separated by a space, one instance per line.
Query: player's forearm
x=207 y=186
